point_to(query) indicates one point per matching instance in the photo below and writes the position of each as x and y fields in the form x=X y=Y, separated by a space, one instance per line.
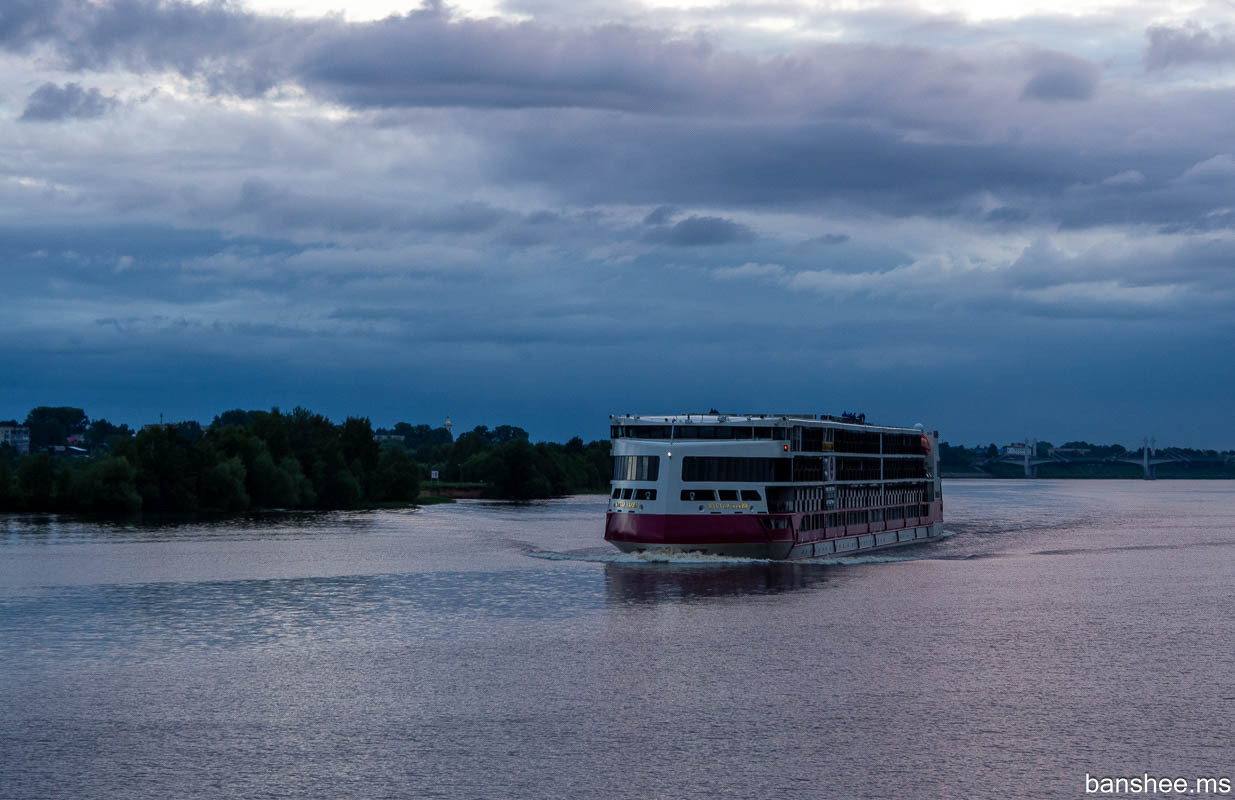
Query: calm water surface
x=488 y=650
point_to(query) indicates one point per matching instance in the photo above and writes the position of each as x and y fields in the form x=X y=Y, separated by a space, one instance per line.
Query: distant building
x=1070 y=452
x=1018 y=449
x=387 y=437
x=16 y=436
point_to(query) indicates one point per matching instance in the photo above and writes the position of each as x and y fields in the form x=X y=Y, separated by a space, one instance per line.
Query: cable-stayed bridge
x=1148 y=457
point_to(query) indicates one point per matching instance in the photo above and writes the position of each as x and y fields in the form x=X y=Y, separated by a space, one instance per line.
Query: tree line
x=271 y=459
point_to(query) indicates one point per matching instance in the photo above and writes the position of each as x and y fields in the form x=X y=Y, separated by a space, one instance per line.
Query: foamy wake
x=687 y=559
x=648 y=557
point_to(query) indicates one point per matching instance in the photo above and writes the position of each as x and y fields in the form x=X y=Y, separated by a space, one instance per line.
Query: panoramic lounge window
x=698 y=495
x=735 y=470
x=636 y=468
x=647 y=431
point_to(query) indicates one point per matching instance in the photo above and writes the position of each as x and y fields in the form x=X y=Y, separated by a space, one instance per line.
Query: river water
x=491 y=650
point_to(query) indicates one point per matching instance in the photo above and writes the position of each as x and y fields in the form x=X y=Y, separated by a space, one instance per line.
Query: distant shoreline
x=986 y=476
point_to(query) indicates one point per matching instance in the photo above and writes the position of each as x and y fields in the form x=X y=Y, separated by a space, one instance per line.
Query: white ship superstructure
x=771 y=486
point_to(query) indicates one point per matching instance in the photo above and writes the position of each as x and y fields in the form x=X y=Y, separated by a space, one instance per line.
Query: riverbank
x=1124 y=472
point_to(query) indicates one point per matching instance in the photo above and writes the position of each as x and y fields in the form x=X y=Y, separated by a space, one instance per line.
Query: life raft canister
x=926 y=444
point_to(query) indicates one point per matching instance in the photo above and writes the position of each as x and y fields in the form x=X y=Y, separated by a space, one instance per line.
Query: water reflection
x=44 y=528
x=676 y=583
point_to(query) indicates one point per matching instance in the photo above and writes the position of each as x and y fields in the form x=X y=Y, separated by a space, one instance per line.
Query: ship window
x=636 y=468
x=617 y=494
x=812 y=439
x=647 y=431
x=614 y=431
x=627 y=494
x=848 y=441
x=645 y=494
x=728 y=494
x=806 y=468
x=857 y=469
x=720 y=432
x=697 y=495
x=751 y=494
x=736 y=470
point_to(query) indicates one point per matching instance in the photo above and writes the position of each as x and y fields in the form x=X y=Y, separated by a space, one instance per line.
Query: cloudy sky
x=997 y=219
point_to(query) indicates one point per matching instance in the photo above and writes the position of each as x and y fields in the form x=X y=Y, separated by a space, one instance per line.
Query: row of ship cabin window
x=700 y=495
x=838 y=518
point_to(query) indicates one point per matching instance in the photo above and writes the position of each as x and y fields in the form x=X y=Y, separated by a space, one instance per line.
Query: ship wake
x=598 y=556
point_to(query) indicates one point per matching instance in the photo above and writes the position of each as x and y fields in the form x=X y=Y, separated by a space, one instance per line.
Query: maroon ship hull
x=755 y=535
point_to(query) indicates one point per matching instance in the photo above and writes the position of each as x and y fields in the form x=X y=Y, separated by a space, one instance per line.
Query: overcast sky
x=1000 y=220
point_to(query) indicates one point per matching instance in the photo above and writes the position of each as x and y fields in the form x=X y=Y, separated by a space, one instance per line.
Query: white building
x=17 y=436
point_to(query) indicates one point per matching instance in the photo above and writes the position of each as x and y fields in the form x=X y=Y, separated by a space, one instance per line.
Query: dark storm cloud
x=50 y=102
x=799 y=127
x=1171 y=45
x=26 y=21
x=428 y=58
x=280 y=208
x=661 y=215
x=1062 y=78
x=646 y=159
x=695 y=231
x=125 y=262
x=1007 y=214
x=236 y=51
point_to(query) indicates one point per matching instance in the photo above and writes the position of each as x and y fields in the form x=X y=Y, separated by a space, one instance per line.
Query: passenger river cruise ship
x=771 y=486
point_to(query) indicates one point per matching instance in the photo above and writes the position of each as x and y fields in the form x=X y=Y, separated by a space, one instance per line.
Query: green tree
x=342 y=490
x=397 y=476
x=237 y=417
x=507 y=433
x=269 y=485
x=8 y=491
x=107 y=484
x=306 y=495
x=50 y=425
x=512 y=472
x=167 y=469
x=415 y=436
x=102 y=434
x=271 y=427
x=359 y=449
x=36 y=481
x=222 y=486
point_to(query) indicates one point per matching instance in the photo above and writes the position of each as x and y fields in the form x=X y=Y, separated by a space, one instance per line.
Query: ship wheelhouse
x=780 y=486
